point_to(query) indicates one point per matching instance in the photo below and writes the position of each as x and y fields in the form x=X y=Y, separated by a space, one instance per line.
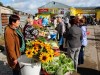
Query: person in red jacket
x=40 y=21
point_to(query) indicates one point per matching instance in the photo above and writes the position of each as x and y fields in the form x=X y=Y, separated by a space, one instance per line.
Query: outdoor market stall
x=43 y=53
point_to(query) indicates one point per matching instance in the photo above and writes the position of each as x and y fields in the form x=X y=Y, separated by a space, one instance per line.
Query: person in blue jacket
x=45 y=22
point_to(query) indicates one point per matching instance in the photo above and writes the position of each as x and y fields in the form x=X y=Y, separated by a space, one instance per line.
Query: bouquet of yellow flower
x=39 y=51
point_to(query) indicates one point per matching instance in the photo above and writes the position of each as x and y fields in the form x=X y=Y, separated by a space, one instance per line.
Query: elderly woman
x=30 y=33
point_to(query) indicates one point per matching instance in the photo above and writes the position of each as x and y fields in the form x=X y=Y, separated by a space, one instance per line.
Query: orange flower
x=56 y=53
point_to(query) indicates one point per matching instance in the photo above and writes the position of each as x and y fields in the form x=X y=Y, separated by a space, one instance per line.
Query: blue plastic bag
x=61 y=41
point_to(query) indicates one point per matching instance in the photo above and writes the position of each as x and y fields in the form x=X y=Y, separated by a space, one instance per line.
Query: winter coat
x=74 y=37
x=12 y=45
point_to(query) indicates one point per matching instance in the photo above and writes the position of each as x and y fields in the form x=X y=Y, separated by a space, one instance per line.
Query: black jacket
x=59 y=28
x=74 y=37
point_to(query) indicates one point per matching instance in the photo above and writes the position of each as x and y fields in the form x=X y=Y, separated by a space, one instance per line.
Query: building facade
x=62 y=9
x=4 y=12
x=54 y=8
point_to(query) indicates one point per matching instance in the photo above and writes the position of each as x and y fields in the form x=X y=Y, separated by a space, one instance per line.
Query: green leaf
x=41 y=38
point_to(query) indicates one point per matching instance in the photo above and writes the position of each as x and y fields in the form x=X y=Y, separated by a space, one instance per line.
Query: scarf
x=22 y=48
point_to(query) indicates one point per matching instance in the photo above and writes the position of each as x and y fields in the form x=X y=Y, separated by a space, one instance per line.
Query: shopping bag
x=61 y=41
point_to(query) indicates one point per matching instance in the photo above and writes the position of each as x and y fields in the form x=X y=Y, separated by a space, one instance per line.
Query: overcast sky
x=31 y=6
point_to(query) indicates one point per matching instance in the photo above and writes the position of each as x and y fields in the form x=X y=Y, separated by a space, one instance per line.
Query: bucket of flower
x=60 y=65
x=37 y=52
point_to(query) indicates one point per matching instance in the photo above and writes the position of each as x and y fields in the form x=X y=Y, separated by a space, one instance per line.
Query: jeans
x=81 y=56
x=74 y=53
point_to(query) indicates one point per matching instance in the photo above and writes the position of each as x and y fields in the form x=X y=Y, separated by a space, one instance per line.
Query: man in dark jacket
x=74 y=41
x=60 y=29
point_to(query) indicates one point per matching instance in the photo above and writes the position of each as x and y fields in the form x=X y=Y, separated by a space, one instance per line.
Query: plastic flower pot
x=28 y=67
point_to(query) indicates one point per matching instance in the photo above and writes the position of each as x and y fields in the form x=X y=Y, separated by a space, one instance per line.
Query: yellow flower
x=50 y=51
x=42 y=44
x=37 y=43
x=50 y=57
x=32 y=49
x=44 y=57
x=47 y=45
x=35 y=52
x=40 y=50
x=29 y=53
x=33 y=42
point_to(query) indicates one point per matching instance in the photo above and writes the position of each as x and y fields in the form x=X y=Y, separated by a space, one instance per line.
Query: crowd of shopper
x=71 y=37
